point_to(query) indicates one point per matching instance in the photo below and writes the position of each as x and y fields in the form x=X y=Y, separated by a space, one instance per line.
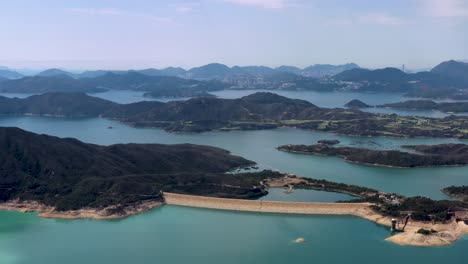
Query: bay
x=260 y=146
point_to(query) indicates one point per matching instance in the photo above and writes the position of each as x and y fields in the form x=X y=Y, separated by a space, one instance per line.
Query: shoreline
x=279 y=124
x=44 y=211
x=446 y=233
x=458 y=197
x=281 y=183
x=368 y=164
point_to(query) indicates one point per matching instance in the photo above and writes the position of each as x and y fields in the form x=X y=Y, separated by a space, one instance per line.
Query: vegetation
x=267 y=110
x=309 y=183
x=455 y=107
x=56 y=104
x=446 y=80
x=426 y=232
x=55 y=80
x=421 y=209
x=393 y=205
x=356 y=104
x=69 y=174
x=256 y=111
x=328 y=141
x=459 y=192
x=41 y=84
x=440 y=155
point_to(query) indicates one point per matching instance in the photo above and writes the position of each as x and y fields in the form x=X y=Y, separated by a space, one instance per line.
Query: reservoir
x=186 y=235
x=260 y=146
x=174 y=234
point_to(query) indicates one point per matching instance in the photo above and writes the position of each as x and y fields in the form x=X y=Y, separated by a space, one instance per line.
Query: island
x=66 y=178
x=257 y=111
x=356 y=104
x=448 y=107
x=428 y=156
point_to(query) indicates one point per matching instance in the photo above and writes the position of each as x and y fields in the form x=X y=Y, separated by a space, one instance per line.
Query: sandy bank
x=447 y=233
x=106 y=213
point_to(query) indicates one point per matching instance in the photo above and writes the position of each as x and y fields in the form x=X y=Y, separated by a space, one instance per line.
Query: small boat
x=109 y=127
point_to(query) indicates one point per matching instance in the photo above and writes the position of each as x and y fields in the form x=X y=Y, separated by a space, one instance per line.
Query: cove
x=260 y=146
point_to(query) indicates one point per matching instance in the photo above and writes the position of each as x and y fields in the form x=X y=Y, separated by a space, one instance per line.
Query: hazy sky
x=117 y=34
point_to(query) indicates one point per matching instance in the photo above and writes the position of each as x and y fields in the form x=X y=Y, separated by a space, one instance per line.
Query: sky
x=124 y=34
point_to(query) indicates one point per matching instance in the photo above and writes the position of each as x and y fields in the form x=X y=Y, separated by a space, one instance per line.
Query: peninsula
x=428 y=156
x=447 y=107
x=457 y=192
x=66 y=178
x=66 y=174
x=256 y=111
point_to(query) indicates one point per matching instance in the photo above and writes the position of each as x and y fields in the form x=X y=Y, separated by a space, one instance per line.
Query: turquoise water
x=322 y=99
x=339 y=99
x=260 y=147
x=280 y=194
x=127 y=97
x=185 y=235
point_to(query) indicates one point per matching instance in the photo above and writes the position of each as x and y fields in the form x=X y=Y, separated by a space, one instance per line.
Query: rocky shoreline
x=442 y=155
x=446 y=233
x=107 y=213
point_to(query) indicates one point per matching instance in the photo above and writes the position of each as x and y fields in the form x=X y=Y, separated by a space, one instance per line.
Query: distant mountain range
x=54 y=72
x=454 y=72
x=9 y=74
x=209 y=71
x=453 y=69
x=109 y=81
x=156 y=85
x=41 y=84
x=56 y=104
x=447 y=80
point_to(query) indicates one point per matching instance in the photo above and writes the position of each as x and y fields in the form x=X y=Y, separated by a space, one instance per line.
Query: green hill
x=70 y=174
